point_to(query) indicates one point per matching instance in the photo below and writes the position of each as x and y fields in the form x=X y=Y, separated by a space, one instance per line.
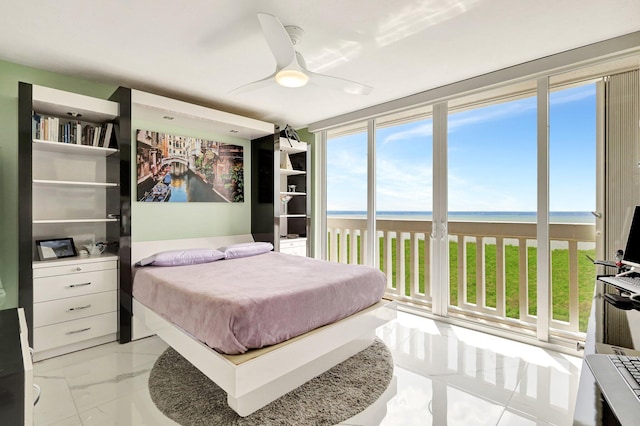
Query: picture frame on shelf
x=56 y=248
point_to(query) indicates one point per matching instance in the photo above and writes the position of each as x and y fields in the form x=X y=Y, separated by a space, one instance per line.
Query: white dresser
x=75 y=304
x=296 y=246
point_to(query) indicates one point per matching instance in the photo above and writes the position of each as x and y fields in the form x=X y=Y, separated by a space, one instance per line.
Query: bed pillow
x=237 y=251
x=182 y=257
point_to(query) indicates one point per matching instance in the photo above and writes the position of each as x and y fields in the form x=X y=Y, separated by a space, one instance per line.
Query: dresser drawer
x=71 y=308
x=296 y=247
x=69 y=332
x=74 y=268
x=63 y=286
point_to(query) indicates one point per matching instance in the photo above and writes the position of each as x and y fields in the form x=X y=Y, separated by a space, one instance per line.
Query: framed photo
x=56 y=248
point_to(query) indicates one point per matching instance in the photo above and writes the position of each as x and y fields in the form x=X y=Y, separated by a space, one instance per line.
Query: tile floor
x=444 y=375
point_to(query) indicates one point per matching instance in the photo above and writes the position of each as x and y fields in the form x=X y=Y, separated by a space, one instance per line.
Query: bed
x=252 y=377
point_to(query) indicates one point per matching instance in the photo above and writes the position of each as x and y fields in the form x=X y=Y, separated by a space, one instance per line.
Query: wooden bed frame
x=258 y=377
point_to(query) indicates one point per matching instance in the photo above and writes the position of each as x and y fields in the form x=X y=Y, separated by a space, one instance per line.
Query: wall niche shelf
x=292 y=147
x=72 y=148
x=74 y=183
x=290 y=172
x=53 y=221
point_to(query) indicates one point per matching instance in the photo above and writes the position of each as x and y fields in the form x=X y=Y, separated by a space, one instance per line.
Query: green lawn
x=559 y=268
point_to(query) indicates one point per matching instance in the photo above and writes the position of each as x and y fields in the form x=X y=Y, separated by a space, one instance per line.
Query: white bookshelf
x=294 y=163
x=75 y=192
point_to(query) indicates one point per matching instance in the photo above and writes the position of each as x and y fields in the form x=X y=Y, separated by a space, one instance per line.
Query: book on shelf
x=107 y=135
x=54 y=129
x=87 y=135
x=116 y=135
x=35 y=126
x=96 y=135
x=78 y=136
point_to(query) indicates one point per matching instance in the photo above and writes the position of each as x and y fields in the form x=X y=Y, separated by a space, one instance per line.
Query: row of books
x=54 y=130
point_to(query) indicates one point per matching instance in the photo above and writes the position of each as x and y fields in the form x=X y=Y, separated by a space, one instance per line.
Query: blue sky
x=492 y=159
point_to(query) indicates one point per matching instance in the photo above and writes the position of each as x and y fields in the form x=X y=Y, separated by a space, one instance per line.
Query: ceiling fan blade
x=336 y=83
x=278 y=39
x=254 y=85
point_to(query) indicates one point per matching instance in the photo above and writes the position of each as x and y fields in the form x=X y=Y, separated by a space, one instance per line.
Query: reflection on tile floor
x=444 y=374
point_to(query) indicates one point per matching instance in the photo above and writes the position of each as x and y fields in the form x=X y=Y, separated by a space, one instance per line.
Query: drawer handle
x=78 y=308
x=79 y=331
x=78 y=285
x=78 y=269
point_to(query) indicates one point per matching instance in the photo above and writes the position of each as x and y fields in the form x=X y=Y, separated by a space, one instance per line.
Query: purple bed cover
x=241 y=304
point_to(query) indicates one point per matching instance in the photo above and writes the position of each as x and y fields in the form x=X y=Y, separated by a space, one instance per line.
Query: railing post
x=342 y=251
x=353 y=246
x=462 y=271
x=364 y=234
x=333 y=244
x=427 y=264
x=414 y=264
x=523 y=268
x=481 y=297
x=400 y=268
x=500 y=277
x=574 y=318
x=388 y=260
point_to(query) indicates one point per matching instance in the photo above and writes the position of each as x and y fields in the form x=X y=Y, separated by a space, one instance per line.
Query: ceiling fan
x=291 y=70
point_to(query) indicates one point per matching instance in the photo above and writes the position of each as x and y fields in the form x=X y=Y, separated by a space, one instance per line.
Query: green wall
x=150 y=221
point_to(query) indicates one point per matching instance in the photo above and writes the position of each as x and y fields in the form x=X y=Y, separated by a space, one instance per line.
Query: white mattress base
x=254 y=383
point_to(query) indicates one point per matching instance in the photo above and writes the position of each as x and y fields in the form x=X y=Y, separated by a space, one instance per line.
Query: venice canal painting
x=173 y=168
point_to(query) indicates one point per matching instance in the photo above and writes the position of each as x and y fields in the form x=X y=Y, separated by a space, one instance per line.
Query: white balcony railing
x=408 y=270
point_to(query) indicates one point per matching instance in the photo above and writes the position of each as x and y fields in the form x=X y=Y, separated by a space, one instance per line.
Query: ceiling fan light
x=291 y=78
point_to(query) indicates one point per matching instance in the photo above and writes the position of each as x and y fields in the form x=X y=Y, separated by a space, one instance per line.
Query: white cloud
x=466 y=195
x=566 y=96
x=421 y=131
x=459 y=120
x=404 y=186
x=494 y=112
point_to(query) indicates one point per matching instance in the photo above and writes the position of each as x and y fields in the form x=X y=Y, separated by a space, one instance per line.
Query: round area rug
x=188 y=397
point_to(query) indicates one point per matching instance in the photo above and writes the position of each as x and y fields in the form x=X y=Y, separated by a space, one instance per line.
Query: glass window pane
x=404 y=200
x=492 y=203
x=572 y=198
x=346 y=196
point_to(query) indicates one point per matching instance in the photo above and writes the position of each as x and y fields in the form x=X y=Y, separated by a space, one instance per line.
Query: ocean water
x=502 y=216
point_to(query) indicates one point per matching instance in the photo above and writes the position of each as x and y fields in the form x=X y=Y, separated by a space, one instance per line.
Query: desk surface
x=610 y=330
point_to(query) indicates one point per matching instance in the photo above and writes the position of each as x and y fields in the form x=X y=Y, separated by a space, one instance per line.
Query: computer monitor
x=631 y=255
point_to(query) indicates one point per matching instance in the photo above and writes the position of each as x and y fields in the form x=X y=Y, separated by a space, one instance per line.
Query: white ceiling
x=199 y=50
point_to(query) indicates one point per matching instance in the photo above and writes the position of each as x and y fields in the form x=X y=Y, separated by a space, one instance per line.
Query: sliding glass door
x=404 y=203
x=492 y=207
x=572 y=198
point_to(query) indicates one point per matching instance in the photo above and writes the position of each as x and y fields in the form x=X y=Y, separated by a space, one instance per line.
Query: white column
x=543 y=267
x=601 y=253
x=372 y=241
x=320 y=197
x=439 y=233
